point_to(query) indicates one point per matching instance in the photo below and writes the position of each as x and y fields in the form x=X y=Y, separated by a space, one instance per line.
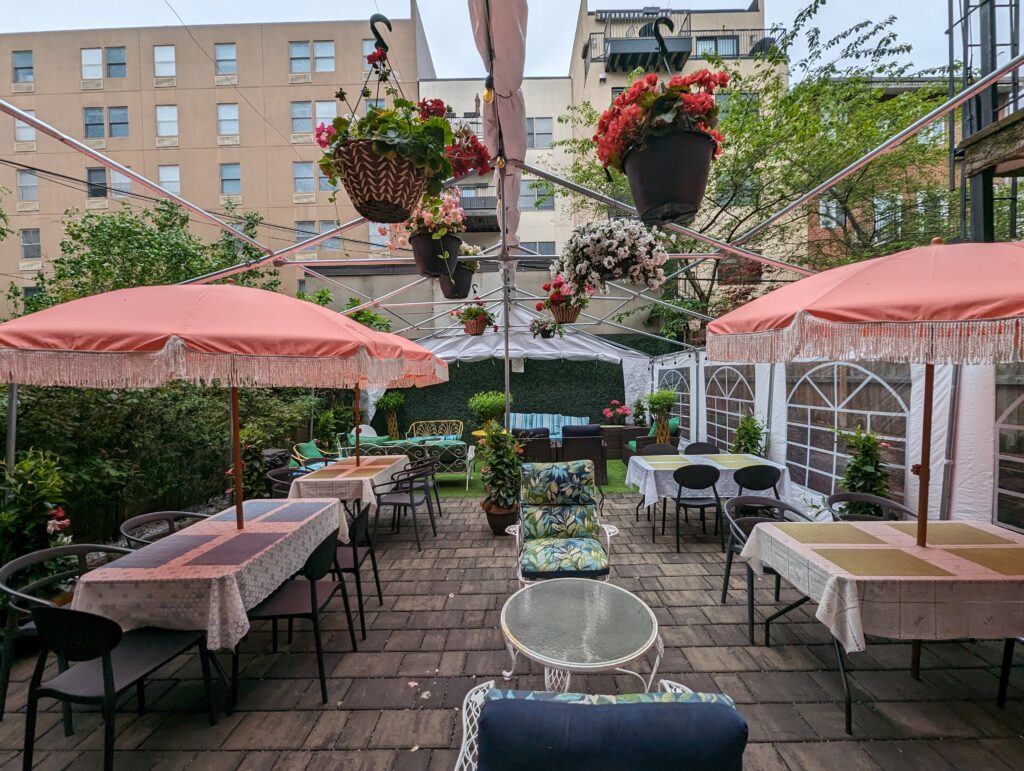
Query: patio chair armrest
x=609 y=531
x=671 y=686
x=471 y=706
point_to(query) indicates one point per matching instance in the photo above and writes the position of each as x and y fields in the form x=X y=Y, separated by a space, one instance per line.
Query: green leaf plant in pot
x=864 y=470
x=659 y=403
x=487 y=406
x=749 y=436
x=389 y=404
x=500 y=463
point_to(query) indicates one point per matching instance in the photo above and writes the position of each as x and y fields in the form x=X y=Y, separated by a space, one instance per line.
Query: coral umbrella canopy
x=236 y=336
x=938 y=304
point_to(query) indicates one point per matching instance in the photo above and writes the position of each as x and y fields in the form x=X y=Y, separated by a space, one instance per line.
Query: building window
x=323 y=181
x=28 y=186
x=379 y=235
x=725 y=46
x=96 y=182
x=323 y=55
x=887 y=217
x=24 y=132
x=226 y=57
x=117 y=121
x=331 y=244
x=93 y=122
x=227 y=119
x=30 y=249
x=729 y=396
x=298 y=56
x=92 y=64
x=120 y=184
x=546 y=248
x=24 y=72
x=305 y=229
x=326 y=112
x=30 y=291
x=1009 y=482
x=169 y=178
x=230 y=179
x=163 y=62
x=678 y=380
x=539 y=133
x=302 y=177
x=536 y=195
x=831 y=214
x=616 y=90
x=302 y=118
x=375 y=104
x=300 y=286
x=117 y=62
x=825 y=398
x=368 y=48
x=167 y=120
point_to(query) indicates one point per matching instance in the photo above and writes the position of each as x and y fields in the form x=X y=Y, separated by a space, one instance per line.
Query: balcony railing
x=733 y=43
x=631 y=24
x=619 y=52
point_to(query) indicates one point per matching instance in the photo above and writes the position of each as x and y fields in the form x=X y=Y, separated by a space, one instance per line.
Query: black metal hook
x=381 y=18
x=658 y=23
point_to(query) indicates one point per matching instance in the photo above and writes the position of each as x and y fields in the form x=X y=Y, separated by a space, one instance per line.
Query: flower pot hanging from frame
x=458 y=285
x=435 y=257
x=475 y=326
x=676 y=197
x=381 y=189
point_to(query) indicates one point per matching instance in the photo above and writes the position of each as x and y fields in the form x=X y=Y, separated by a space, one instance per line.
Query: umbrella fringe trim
x=979 y=341
x=176 y=362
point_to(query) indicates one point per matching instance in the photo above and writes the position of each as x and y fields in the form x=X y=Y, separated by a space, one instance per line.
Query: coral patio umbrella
x=227 y=335
x=938 y=304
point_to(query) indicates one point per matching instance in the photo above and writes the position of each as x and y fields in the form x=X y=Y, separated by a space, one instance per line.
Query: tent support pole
x=923 y=469
x=355 y=417
x=236 y=455
x=12 y=427
x=506 y=268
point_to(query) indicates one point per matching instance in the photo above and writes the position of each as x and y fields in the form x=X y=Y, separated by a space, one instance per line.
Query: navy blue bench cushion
x=531 y=433
x=590 y=429
x=680 y=734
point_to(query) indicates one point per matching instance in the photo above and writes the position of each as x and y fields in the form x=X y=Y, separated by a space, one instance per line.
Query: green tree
x=784 y=138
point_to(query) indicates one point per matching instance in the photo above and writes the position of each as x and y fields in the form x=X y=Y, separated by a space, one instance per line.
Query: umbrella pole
x=923 y=469
x=236 y=455
x=355 y=413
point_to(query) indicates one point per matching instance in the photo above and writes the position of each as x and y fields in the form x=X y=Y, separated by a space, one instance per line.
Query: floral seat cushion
x=559 y=521
x=558 y=484
x=659 y=697
x=563 y=558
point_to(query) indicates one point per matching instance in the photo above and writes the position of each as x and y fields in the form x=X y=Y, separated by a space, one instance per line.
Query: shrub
x=391 y=401
x=660 y=403
x=31 y=517
x=500 y=464
x=488 y=405
x=864 y=470
x=749 y=436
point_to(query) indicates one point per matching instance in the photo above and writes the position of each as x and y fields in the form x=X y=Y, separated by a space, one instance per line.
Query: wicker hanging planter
x=381 y=189
x=475 y=326
x=565 y=313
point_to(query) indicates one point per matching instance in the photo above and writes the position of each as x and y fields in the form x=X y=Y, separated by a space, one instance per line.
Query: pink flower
x=615 y=402
x=57 y=525
x=606 y=412
x=382 y=230
x=324 y=133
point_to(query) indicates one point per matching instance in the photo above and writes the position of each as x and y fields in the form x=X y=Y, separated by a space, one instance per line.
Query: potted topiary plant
x=475 y=318
x=749 y=436
x=487 y=406
x=659 y=403
x=564 y=305
x=500 y=463
x=389 y=404
x=460 y=283
x=653 y=126
x=864 y=470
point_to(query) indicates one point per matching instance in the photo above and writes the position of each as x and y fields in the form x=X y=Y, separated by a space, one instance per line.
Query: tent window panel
x=1009 y=425
x=729 y=396
x=678 y=380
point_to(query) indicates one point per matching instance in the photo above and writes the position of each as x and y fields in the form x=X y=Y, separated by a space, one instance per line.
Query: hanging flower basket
x=564 y=305
x=435 y=257
x=660 y=197
x=475 y=318
x=565 y=313
x=475 y=326
x=597 y=252
x=458 y=286
x=382 y=189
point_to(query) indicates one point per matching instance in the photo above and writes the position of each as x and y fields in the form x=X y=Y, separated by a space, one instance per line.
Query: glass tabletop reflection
x=578 y=623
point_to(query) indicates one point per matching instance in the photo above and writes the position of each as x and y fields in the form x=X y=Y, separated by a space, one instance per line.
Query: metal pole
x=684 y=311
x=386 y=295
x=923 y=469
x=103 y=160
x=506 y=267
x=704 y=238
x=236 y=455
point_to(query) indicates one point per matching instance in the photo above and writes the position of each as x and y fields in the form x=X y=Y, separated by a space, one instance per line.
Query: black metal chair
x=656 y=449
x=105 y=662
x=169 y=519
x=280 y=480
x=304 y=599
x=695 y=477
x=406 y=491
x=1004 y=672
x=740 y=527
x=25 y=592
x=701 y=448
x=887 y=509
x=353 y=554
x=426 y=469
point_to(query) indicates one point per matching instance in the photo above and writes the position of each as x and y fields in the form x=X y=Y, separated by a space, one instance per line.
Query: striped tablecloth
x=346 y=481
x=873 y=578
x=652 y=474
x=209 y=574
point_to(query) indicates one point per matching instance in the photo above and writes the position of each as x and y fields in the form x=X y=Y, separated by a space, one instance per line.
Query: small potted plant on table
x=659 y=403
x=475 y=318
x=500 y=461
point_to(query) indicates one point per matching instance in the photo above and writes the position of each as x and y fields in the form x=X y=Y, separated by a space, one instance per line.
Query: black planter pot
x=429 y=254
x=458 y=286
x=498 y=518
x=668 y=176
x=547 y=334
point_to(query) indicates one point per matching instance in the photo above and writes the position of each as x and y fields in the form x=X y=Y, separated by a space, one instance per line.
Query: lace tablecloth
x=209 y=574
x=347 y=482
x=871 y=578
x=652 y=475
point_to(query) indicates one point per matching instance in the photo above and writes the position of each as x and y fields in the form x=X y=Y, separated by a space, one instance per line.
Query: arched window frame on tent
x=728 y=396
x=678 y=380
x=811 y=427
x=1009 y=450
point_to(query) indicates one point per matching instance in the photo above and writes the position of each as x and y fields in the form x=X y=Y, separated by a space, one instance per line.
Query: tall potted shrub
x=864 y=470
x=655 y=126
x=389 y=404
x=659 y=403
x=487 y=406
x=749 y=438
x=500 y=464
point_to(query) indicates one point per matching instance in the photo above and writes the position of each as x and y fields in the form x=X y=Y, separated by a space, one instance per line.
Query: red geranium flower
x=376 y=57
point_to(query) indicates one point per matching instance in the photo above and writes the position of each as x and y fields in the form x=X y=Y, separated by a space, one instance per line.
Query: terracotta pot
x=428 y=252
x=499 y=518
x=668 y=176
x=458 y=286
x=475 y=327
x=565 y=313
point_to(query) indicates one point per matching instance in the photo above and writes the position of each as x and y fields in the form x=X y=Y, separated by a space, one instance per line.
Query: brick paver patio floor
x=395 y=703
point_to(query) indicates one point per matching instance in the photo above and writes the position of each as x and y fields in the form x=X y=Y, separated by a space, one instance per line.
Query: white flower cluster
x=622 y=249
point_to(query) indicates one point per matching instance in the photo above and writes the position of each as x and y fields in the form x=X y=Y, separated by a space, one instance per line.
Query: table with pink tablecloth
x=346 y=481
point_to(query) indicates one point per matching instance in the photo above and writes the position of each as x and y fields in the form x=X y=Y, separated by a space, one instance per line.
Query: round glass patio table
x=579 y=625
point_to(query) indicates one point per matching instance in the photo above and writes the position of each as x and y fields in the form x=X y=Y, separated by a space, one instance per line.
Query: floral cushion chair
x=558 y=532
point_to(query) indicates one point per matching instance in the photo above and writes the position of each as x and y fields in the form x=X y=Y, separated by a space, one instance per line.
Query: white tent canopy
x=455 y=345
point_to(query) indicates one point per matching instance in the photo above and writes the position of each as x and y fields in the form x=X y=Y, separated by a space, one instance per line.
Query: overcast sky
x=922 y=23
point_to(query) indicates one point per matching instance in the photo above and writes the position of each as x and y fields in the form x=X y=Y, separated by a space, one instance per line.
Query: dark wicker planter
x=429 y=254
x=547 y=333
x=499 y=518
x=458 y=286
x=668 y=176
x=381 y=189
